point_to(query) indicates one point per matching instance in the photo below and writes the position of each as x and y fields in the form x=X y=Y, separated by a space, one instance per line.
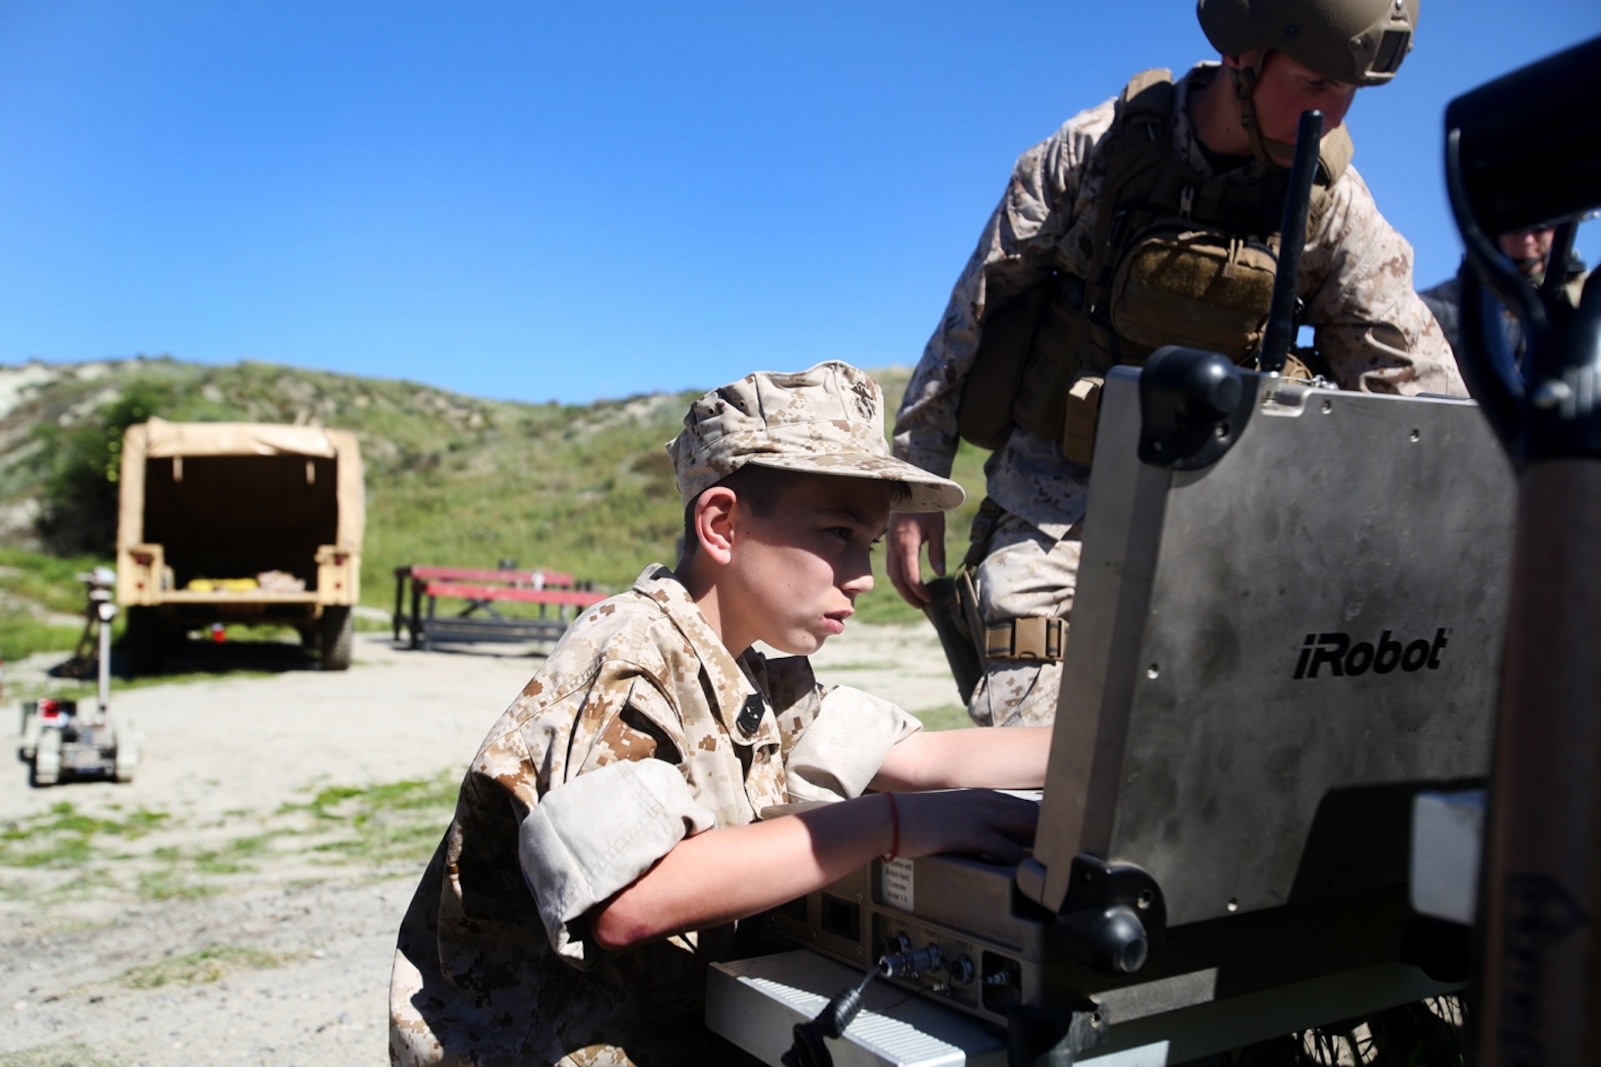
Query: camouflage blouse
x=1355 y=281
x=640 y=730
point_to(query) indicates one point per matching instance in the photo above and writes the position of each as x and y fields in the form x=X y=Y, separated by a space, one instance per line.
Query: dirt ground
x=237 y=902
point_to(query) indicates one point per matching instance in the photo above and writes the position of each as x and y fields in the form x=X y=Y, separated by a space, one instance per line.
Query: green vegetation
x=386 y=824
x=31 y=585
x=22 y=633
x=203 y=967
x=66 y=1054
x=82 y=463
x=946 y=717
x=49 y=581
x=451 y=480
x=339 y=831
x=65 y=837
x=169 y=884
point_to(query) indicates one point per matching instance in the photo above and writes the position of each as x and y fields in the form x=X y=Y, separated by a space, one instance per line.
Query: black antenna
x=1281 y=316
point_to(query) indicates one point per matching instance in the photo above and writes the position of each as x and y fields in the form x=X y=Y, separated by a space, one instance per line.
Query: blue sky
x=536 y=201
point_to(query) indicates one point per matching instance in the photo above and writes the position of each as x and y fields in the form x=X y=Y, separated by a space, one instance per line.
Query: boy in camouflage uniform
x=1231 y=125
x=607 y=837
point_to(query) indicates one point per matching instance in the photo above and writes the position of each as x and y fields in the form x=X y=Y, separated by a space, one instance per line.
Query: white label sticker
x=895 y=883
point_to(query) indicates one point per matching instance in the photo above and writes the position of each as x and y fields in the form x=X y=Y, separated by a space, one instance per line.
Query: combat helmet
x=1359 y=42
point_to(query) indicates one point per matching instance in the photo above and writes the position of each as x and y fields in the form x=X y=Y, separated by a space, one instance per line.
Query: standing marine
x=1150 y=219
x=1530 y=252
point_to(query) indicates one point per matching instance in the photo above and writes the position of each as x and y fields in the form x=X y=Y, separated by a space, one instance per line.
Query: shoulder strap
x=1147 y=98
x=1334 y=155
x=1143 y=111
x=1136 y=146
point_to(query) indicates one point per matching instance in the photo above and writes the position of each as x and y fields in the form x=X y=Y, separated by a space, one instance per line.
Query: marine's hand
x=907 y=535
x=977 y=822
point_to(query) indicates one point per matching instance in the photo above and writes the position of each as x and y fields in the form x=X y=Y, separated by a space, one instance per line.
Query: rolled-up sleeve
x=845 y=745
x=597 y=834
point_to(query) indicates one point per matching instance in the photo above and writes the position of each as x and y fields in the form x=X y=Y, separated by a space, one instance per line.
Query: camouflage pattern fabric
x=1355 y=281
x=640 y=730
x=828 y=419
x=1026 y=573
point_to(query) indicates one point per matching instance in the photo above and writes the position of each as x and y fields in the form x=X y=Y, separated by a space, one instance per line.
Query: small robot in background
x=66 y=737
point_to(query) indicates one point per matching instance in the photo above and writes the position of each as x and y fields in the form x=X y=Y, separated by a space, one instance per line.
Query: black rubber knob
x=1214 y=386
x=1120 y=942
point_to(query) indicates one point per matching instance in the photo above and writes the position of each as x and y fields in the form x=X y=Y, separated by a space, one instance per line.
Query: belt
x=1034 y=638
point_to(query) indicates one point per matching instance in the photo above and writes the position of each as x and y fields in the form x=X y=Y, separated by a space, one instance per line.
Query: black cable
x=809 y=1048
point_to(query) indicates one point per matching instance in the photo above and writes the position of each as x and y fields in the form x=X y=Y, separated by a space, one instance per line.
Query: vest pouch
x=1083 y=412
x=1200 y=289
x=1067 y=345
x=984 y=415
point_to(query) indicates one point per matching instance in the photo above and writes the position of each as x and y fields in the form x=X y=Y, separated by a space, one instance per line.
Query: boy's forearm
x=1012 y=757
x=737 y=871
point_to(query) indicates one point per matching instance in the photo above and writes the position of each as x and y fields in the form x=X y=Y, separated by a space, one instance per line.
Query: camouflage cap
x=825 y=420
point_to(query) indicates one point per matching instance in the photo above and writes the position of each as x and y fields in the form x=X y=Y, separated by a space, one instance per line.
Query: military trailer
x=238 y=523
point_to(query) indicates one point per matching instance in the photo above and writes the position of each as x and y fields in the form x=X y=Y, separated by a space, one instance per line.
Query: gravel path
x=237 y=902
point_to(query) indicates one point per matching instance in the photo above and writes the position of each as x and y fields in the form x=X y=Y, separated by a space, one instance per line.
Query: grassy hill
x=451 y=479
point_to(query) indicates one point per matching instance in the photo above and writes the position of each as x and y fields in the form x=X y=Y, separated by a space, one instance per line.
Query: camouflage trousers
x=1025 y=573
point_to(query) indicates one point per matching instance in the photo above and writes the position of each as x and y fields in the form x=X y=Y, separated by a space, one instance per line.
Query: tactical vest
x=1179 y=258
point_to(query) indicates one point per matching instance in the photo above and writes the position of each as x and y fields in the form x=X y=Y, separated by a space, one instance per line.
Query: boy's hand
x=976 y=822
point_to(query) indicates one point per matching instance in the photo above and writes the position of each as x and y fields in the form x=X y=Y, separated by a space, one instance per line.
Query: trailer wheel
x=338 y=631
x=47 y=758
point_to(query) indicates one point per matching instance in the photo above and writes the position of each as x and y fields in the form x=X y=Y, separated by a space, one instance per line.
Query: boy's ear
x=714 y=523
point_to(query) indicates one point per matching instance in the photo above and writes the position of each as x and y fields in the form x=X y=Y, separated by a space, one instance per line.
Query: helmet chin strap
x=1245 y=80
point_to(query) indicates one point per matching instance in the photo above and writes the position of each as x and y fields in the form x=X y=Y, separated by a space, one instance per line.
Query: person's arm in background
x=1444 y=302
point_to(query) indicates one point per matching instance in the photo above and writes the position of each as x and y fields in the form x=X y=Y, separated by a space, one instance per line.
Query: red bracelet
x=894 y=829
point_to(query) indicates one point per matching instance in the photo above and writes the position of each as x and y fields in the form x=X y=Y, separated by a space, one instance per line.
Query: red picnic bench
x=558 y=597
